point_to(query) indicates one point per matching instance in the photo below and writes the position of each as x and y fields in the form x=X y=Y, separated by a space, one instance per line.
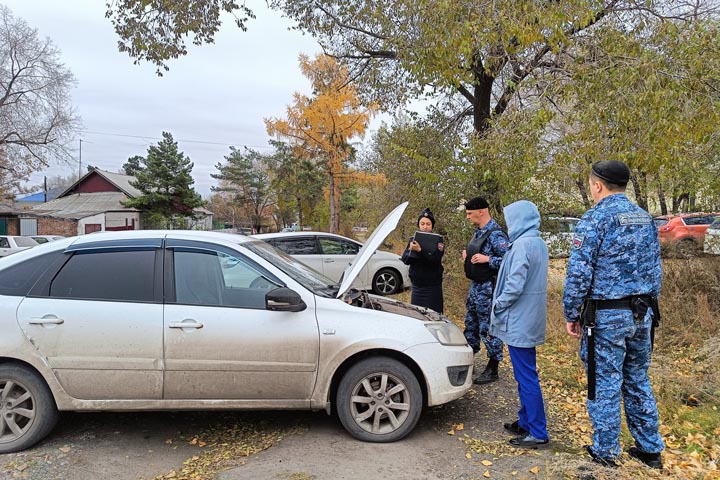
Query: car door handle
x=186 y=325
x=329 y=260
x=46 y=321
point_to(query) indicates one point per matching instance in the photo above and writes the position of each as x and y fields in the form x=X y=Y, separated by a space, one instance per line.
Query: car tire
x=687 y=248
x=27 y=404
x=386 y=282
x=389 y=411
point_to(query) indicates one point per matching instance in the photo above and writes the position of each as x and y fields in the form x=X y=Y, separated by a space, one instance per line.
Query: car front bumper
x=434 y=359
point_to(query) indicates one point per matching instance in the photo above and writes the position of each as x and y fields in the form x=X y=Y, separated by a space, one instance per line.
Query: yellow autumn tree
x=319 y=127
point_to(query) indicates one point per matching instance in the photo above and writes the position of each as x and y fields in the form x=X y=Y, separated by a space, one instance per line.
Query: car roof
x=263 y=236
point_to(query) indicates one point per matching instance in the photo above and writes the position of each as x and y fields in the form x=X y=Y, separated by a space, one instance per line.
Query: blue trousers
x=531 y=415
x=622 y=359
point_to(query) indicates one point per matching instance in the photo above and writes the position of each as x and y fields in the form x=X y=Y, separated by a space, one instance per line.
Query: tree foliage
x=156 y=30
x=245 y=176
x=320 y=127
x=166 y=184
x=297 y=183
x=36 y=118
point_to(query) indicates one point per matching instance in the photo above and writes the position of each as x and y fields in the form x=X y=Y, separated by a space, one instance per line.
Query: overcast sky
x=217 y=94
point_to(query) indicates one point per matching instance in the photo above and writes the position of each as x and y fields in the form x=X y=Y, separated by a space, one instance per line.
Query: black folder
x=428 y=243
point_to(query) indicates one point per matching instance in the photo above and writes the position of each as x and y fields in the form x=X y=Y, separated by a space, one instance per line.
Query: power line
x=177 y=140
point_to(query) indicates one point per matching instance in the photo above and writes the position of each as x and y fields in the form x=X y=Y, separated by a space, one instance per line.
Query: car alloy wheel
x=379 y=400
x=386 y=282
x=27 y=410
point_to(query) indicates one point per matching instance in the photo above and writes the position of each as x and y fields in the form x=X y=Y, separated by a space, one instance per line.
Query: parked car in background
x=558 y=235
x=10 y=244
x=684 y=233
x=712 y=238
x=330 y=254
x=197 y=320
x=46 y=238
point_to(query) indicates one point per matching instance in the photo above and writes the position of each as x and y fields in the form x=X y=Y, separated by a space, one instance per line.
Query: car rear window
x=18 y=279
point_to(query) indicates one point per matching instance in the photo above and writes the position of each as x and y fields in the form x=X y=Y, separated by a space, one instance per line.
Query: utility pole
x=80 y=162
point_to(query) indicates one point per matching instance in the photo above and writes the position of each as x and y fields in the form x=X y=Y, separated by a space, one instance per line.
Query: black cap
x=427 y=213
x=612 y=171
x=477 y=203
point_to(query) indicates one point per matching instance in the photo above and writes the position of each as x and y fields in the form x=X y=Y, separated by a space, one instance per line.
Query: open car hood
x=368 y=249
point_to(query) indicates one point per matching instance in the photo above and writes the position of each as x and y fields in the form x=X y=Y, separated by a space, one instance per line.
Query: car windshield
x=660 y=221
x=715 y=225
x=301 y=273
x=25 y=242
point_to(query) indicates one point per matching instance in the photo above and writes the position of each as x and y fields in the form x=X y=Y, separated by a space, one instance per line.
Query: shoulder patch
x=578 y=240
x=633 y=219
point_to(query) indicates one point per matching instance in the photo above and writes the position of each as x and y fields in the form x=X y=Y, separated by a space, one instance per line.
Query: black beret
x=427 y=213
x=612 y=171
x=477 y=203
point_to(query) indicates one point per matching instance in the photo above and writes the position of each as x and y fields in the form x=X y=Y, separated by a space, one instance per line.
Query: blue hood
x=522 y=217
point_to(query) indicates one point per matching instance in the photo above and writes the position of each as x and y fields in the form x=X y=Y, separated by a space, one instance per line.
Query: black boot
x=652 y=460
x=490 y=374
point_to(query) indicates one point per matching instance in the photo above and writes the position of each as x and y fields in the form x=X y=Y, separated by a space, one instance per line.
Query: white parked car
x=191 y=320
x=46 y=238
x=712 y=238
x=10 y=244
x=330 y=254
x=558 y=235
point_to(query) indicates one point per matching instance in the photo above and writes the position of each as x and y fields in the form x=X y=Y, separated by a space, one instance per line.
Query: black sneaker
x=605 y=462
x=528 y=441
x=515 y=428
x=652 y=460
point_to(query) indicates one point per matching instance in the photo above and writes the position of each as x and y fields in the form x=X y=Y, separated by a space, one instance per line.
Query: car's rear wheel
x=386 y=282
x=379 y=400
x=687 y=248
x=27 y=409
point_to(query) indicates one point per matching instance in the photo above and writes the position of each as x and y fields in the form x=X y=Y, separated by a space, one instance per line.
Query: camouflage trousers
x=622 y=359
x=477 y=320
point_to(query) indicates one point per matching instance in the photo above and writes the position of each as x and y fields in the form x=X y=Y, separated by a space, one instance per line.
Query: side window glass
x=4 y=243
x=19 y=279
x=296 y=246
x=350 y=248
x=204 y=277
x=331 y=246
x=110 y=275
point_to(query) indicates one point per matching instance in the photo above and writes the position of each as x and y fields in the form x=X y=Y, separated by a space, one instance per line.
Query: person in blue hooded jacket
x=519 y=316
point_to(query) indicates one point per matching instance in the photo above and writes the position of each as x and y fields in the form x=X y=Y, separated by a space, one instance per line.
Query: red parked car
x=684 y=232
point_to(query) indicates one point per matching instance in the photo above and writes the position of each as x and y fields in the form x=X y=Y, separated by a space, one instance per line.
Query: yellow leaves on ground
x=223 y=447
x=535 y=470
x=487 y=463
x=456 y=427
x=486 y=474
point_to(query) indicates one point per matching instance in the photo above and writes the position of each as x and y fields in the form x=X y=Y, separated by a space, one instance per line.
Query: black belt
x=618 y=304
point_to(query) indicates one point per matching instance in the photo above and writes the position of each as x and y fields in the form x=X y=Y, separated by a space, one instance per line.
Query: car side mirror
x=284 y=300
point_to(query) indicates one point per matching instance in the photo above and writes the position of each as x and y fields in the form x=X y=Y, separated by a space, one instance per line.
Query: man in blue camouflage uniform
x=482 y=261
x=615 y=263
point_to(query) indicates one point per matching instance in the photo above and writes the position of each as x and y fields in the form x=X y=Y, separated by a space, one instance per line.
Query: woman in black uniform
x=425 y=267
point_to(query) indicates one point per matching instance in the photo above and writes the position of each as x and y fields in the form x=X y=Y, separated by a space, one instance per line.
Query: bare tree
x=36 y=118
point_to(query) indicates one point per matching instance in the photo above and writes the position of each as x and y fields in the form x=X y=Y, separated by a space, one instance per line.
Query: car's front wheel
x=27 y=408
x=379 y=400
x=386 y=282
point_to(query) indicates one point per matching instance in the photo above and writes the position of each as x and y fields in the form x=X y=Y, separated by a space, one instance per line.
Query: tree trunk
x=300 y=213
x=583 y=193
x=640 y=197
x=334 y=202
x=661 y=198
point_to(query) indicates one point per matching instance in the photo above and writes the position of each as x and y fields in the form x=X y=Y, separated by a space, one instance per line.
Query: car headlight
x=447 y=333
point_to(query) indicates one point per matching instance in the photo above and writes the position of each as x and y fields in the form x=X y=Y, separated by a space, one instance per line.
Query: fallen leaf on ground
x=486 y=474
x=487 y=463
x=535 y=470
